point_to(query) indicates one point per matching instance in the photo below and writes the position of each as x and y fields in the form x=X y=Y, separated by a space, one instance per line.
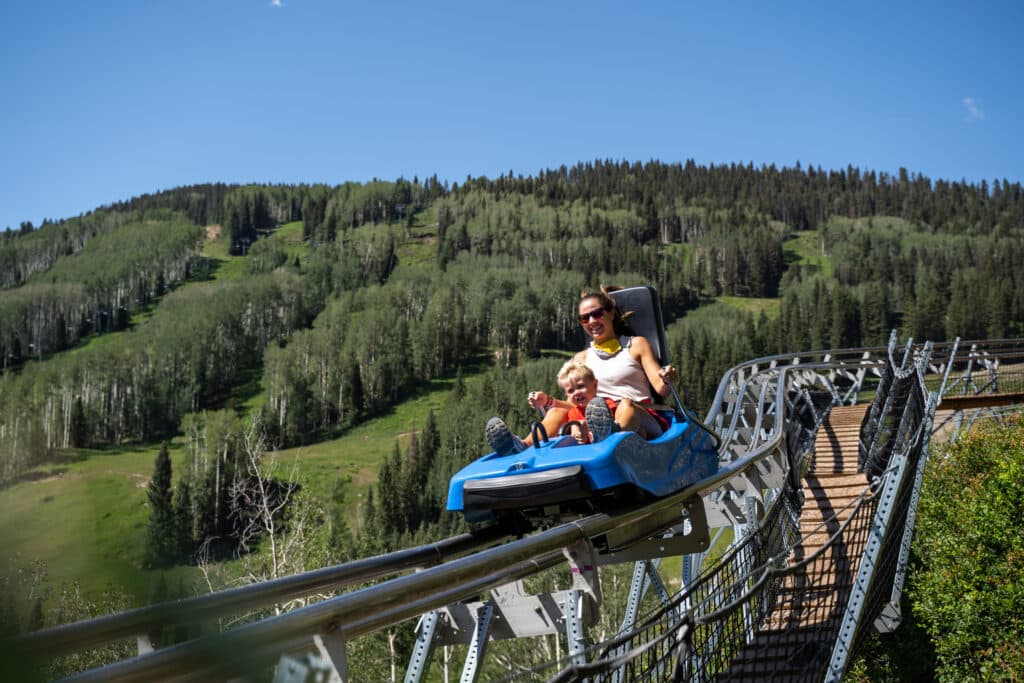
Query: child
x=579 y=384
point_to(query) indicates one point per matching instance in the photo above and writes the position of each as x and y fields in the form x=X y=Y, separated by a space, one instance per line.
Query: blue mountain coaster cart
x=556 y=477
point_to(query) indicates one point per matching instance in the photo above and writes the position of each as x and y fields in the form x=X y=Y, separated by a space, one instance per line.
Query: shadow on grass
x=58 y=464
x=131 y=448
x=792 y=257
x=206 y=269
x=34 y=475
x=239 y=396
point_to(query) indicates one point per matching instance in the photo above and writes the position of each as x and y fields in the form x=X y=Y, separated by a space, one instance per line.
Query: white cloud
x=974 y=112
x=277 y=3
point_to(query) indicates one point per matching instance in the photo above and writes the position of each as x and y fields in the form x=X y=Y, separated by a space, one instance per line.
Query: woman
x=625 y=367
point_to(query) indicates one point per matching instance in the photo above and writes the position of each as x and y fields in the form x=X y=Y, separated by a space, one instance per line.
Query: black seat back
x=646 y=319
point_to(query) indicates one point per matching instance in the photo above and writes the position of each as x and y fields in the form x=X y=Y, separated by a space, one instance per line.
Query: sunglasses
x=595 y=314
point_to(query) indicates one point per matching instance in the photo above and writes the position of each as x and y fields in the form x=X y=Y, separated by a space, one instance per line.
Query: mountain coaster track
x=818 y=488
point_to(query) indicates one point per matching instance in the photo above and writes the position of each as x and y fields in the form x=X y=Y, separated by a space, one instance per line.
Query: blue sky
x=102 y=101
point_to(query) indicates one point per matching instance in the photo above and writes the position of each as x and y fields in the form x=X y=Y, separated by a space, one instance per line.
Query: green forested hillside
x=243 y=320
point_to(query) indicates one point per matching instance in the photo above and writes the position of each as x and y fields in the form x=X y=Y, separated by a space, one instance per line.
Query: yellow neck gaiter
x=611 y=347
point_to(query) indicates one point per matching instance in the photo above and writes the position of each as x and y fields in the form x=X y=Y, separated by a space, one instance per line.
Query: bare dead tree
x=206 y=565
x=262 y=504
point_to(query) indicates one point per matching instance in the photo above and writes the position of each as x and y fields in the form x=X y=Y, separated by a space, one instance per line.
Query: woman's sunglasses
x=595 y=314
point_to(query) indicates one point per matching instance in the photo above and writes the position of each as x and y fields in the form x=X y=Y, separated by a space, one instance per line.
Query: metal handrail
x=101 y=630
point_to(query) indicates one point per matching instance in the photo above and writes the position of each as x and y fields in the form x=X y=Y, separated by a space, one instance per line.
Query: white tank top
x=619 y=376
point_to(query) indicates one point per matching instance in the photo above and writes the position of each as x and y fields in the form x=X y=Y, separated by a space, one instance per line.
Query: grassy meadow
x=803 y=249
x=85 y=519
x=753 y=305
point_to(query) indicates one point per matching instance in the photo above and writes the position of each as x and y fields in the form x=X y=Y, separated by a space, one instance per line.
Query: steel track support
x=645 y=574
x=637 y=589
x=657 y=584
x=582 y=601
x=426 y=638
x=747 y=556
x=144 y=644
x=575 y=632
x=899 y=372
x=478 y=646
x=331 y=647
x=305 y=669
x=690 y=568
x=948 y=368
x=958 y=424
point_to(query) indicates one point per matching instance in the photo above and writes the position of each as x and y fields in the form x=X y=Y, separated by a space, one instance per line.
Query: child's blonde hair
x=573 y=370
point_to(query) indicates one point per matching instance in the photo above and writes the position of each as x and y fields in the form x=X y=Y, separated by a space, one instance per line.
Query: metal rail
x=138 y=622
x=364 y=611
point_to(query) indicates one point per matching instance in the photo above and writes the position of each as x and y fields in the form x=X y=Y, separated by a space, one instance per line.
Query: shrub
x=970 y=548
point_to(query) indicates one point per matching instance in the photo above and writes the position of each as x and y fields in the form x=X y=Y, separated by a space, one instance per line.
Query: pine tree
x=389 y=493
x=184 y=543
x=459 y=388
x=845 y=331
x=411 y=484
x=161 y=540
x=372 y=540
x=79 y=427
x=429 y=442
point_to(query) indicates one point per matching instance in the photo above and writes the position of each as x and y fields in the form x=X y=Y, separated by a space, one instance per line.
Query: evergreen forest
x=237 y=321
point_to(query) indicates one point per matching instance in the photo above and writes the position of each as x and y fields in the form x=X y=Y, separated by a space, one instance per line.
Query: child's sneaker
x=599 y=420
x=501 y=439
